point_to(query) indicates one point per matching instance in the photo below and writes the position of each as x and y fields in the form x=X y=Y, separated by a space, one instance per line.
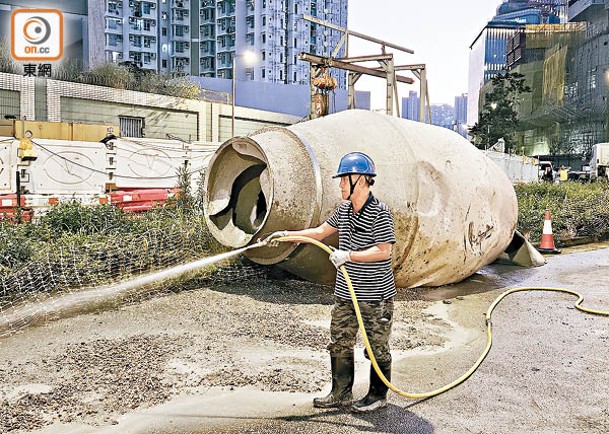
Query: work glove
x=271 y=239
x=340 y=257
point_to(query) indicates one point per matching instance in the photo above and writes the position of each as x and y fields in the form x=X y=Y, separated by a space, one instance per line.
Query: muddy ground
x=246 y=353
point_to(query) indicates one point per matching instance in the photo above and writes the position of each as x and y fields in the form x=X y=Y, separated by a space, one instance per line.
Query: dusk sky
x=439 y=31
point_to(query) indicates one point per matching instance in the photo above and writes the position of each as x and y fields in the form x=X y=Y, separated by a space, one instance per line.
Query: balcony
x=135 y=46
x=180 y=33
x=114 y=46
x=148 y=9
x=225 y=9
x=208 y=16
x=207 y=64
x=207 y=32
x=180 y=4
x=224 y=62
x=114 y=25
x=207 y=49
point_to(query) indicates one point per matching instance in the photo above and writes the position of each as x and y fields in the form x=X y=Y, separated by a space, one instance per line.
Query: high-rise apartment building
x=201 y=37
x=410 y=106
x=461 y=114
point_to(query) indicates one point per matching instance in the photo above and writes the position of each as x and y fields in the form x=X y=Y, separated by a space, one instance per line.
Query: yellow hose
x=489 y=336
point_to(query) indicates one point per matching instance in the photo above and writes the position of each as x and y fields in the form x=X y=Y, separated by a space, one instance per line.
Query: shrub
x=578 y=209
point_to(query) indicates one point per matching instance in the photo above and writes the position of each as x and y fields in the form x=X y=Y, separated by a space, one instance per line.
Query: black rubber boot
x=377 y=393
x=342 y=382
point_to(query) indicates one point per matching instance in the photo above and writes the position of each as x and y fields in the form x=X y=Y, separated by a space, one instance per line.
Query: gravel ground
x=245 y=353
x=247 y=328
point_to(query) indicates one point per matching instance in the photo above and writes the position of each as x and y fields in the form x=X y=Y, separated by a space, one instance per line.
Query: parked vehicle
x=580 y=175
x=599 y=164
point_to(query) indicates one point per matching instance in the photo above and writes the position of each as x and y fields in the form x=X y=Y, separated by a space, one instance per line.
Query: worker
x=548 y=175
x=366 y=237
x=563 y=173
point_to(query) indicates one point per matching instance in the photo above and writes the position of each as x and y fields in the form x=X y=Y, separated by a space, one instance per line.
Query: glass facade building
x=488 y=51
x=567 y=67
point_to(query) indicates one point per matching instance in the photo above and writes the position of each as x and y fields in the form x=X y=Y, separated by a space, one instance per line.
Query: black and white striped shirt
x=372 y=225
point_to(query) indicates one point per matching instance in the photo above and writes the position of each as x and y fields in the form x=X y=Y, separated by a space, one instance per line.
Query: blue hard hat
x=355 y=163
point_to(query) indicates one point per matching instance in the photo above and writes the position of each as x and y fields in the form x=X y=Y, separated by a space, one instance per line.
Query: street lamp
x=488 y=126
x=249 y=57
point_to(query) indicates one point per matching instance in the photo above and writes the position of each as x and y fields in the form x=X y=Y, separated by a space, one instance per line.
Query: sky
x=439 y=31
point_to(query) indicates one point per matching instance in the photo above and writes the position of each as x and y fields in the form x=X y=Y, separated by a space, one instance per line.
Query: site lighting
x=488 y=128
x=249 y=57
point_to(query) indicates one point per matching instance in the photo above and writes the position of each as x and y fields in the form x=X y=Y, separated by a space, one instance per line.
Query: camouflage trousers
x=378 y=320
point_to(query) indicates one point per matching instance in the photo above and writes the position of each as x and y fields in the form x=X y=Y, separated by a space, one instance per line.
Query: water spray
x=62 y=305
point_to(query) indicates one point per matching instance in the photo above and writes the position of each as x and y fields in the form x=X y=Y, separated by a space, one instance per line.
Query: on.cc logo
x=37 y=34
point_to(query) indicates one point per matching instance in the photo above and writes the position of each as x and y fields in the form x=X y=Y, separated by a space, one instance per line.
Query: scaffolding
x=567 y=68
x=386 y=69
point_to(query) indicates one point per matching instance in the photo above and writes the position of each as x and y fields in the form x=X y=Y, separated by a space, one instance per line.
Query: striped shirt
x=372 y=225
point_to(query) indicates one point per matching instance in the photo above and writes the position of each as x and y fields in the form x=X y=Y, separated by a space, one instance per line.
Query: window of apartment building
x=113 y=23
x=281 y=57
x=281 y=41
x=135 y=40
x=164 y=63
x=280 y=75
x=295 y=78
x=164 y=15
x=148 y=41
x=263 y=55
x=131 y=126
x=264 y=3
x=147 y=24
x=164 y=31
x=114 y=40
x=146 y=8
x=296 y=9
x=179 y=31
x=263 y=38
x=113 y=7
x=179 y=47
x=264 y=20
x=263 y=73
x=295 y=42
x=208 y=14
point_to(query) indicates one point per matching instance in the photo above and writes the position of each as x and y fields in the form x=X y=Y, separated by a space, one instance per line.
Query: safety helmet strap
x=352 y=185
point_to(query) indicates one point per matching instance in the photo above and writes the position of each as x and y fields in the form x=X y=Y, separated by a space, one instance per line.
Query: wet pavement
x=546 y=372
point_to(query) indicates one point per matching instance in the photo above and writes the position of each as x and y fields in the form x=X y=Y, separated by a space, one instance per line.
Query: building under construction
x=567 y=68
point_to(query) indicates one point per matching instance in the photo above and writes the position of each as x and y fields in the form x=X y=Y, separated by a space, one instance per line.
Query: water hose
x=489 y=335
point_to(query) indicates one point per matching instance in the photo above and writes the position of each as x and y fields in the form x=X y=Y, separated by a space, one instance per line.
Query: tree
x=498 y=118
x=7 y=63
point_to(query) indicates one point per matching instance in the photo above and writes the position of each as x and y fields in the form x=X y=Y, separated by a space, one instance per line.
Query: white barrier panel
x=517 y=168
x=65 y=167
x=7 y=174
x=151 y=163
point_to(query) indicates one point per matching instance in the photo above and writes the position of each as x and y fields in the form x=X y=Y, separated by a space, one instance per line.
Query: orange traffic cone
x=547 y=238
